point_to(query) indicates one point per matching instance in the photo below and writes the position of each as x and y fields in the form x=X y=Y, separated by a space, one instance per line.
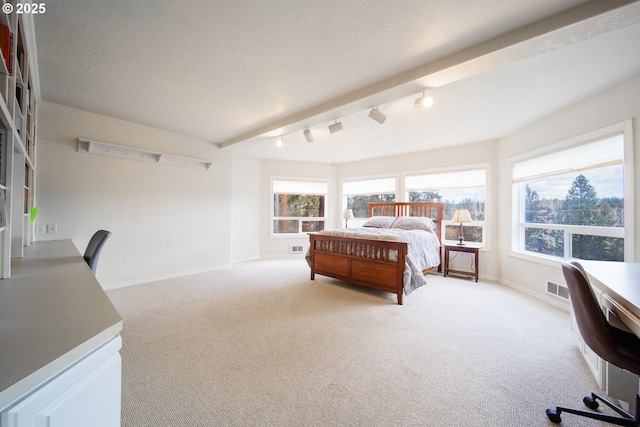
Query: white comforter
x=423 y=252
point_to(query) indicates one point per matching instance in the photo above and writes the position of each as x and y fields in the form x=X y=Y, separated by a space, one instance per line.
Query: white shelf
x=124 y=152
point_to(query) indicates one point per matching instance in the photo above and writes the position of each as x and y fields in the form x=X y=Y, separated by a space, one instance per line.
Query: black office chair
x=92 y=253
x=614 y=345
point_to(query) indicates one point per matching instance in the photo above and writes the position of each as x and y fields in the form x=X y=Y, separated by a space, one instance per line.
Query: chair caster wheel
x=591 y=402
x=553 y=416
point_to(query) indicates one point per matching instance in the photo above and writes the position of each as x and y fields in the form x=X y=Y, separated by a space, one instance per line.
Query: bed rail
x=378 y=264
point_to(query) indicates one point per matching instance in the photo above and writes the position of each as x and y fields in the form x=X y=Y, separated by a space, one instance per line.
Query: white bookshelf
x=18 y=133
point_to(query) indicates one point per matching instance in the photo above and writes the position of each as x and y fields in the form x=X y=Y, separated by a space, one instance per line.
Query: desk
x=59 y=341
x=620 y=281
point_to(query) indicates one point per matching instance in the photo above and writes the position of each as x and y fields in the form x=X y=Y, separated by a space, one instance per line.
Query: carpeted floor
x=260 y=344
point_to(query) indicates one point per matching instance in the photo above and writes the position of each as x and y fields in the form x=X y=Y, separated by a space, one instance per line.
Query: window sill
x=290 y=236
x=538 y=259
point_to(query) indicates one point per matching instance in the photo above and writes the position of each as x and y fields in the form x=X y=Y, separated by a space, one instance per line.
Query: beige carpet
x=260 y=344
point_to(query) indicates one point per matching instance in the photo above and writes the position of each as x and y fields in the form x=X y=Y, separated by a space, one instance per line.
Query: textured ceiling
x=238 y=73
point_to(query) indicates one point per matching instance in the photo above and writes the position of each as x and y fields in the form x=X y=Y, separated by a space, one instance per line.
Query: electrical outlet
x=52 y=228
x=40 y=229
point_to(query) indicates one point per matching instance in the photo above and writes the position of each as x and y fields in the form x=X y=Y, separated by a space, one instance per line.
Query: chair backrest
x=94 y=248
x=591 y=321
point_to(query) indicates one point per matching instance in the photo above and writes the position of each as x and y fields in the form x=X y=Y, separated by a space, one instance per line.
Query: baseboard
x=555 y=302
x=237 y=261
x=162 y=277
x=284 y=256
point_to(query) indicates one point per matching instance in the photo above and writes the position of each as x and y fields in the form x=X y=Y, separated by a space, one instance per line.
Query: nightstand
x=469 y=248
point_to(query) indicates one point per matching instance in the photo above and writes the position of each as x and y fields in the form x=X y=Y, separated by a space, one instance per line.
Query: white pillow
x=414 y=223
x=380 y=222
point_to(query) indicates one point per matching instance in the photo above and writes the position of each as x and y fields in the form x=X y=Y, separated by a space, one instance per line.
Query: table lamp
x=347 y=215
x=461 y=215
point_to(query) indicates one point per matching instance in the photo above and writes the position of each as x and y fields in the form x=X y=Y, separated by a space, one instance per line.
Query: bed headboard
x=433 y=210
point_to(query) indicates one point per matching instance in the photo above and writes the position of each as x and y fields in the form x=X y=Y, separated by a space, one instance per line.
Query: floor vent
x=557 y=290
x=296 y=249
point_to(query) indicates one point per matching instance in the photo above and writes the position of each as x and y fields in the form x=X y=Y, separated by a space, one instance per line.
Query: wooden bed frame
x=348 y=259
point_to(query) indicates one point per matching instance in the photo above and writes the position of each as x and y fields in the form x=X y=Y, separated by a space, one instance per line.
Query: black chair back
x=94 y=248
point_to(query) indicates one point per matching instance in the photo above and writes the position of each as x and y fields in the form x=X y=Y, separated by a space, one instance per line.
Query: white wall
x=279 y=246
x=166 y=220
x=614 y=105
x=246 y=197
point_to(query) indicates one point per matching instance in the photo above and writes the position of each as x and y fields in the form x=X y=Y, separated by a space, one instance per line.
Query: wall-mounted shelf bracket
x=123 y=152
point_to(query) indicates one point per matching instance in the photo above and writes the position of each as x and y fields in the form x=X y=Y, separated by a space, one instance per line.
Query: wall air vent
x=558 y=290
x=296 y=249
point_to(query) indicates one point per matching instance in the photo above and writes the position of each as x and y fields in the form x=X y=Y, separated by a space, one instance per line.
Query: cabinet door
x=88 y=394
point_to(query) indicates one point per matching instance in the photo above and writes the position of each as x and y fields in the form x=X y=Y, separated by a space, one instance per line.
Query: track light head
x=376 y=115
x=424 y=101
x=280 y=142
x=307 y=135
x=336 y=127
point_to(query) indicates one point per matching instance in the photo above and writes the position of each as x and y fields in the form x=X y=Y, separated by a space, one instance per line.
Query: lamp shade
x=462 y=215
x=347 y=214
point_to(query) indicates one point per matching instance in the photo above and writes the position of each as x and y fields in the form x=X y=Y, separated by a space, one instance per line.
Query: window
x=358 y=194
x=298 y=206
x=570 y=203
x=465 y=189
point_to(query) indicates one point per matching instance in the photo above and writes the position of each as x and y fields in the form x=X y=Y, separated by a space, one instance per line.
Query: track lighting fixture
x=307 y=135
x=336 y=127
x=376 y=115
x=424 y=101
x=280 y=142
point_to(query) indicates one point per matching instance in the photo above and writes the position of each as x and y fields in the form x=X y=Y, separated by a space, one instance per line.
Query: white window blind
x=608 y=151
x=446 y=180
x=369 y=186
x=300 y=187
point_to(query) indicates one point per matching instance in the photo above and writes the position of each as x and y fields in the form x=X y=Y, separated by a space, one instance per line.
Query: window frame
x=273 y=218
x=485 y=244
x=344 y=196
x=518 y=224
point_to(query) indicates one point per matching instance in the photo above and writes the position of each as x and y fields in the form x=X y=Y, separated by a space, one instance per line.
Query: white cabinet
x=84 y=395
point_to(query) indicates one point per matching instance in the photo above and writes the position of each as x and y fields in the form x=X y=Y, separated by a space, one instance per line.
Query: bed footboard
x=378 y=264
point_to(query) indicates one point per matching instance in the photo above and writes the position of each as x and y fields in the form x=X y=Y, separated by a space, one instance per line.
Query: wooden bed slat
x=378 y=264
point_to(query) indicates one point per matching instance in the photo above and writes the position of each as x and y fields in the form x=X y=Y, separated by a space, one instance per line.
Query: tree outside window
x=296 y=210
x=572 y=201
x=359 y=193
x=581 y=206
x=360 y=203
x=464 y=189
